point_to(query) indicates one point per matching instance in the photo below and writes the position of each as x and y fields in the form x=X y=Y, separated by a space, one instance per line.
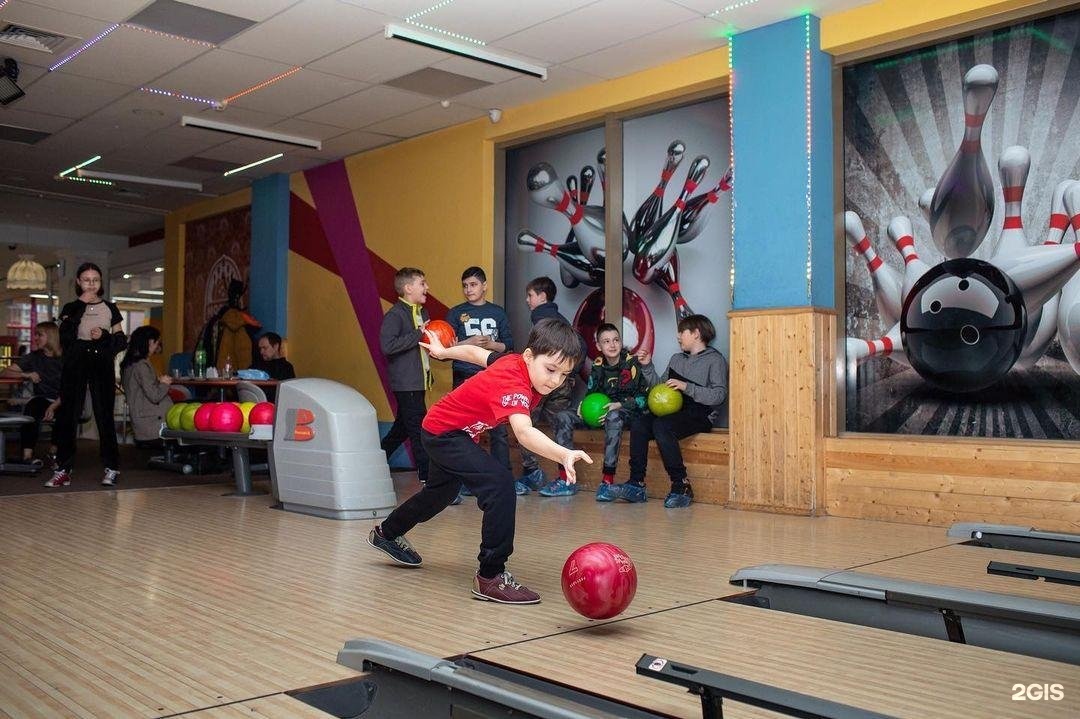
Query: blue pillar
x=782 y=130
x=270 y=252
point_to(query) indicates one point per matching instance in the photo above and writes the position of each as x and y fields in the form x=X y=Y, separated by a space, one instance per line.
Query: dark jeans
x=35 y=407
x=457 y=460
x=87 y=366
x=667 y=431
x=497 y=437
x=567 y=421
x=410 y=415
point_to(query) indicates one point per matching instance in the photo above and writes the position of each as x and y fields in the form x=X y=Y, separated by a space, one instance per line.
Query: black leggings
x=87 y=366
x=35 y=407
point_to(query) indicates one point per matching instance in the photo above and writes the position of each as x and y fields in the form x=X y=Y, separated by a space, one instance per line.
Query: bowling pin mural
x=1068 y=319
x=901 y=234
x=587 y=223
x=572 y=264
x=1013 y=167
x=651 y=209
x=888 y=345
x=963 y=202
x=888 y=285
x=658 y=245
x=697 y=214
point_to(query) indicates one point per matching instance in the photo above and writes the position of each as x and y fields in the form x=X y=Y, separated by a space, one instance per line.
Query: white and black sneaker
x=397 y=549
x=109 y=480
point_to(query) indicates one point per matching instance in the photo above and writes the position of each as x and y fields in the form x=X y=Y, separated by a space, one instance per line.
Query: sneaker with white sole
x=558 y=488
x=504 y=589
x=60 y=478
x=397 y=549
x=109 y=480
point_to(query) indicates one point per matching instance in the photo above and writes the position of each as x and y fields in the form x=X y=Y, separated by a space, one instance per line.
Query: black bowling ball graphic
x=963 y=325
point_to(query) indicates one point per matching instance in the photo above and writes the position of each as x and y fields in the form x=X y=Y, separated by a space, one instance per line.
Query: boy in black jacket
x=617 y=374
x=407 y=364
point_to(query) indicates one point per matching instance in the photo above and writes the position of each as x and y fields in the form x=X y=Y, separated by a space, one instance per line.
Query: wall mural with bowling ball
x=962 y=204
x=676 y=226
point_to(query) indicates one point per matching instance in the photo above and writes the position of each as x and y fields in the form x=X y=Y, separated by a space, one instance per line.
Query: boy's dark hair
x=553 y=336
x=272 y=337
x=543 y=285
x=474 y=271
x=607 y=327
x=702 y=324
x=403 y=277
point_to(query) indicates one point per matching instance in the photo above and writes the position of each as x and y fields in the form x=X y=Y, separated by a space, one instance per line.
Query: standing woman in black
x=91 y=334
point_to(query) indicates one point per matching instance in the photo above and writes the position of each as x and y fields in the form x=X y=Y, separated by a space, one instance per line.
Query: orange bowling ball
x=599 y=580
x=442 y=330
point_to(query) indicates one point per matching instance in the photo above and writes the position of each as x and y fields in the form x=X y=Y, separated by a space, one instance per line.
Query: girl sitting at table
x=41 y=368
x=147 y=393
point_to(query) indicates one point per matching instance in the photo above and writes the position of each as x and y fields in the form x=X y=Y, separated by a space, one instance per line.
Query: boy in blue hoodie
x=700 y=373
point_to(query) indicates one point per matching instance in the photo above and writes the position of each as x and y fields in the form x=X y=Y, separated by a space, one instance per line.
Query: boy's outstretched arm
x=539 y=443
x=464 y=352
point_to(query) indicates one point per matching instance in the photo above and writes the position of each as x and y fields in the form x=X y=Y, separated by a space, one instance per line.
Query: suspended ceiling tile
x=367 y=106
x=499 y=19
x=377 y=58
x=682 y=40
x=219 y=73
x=307 y=31
x=108 y=10
x=397 y=9
x=37 y=17
x=69 y=95
x=132 y=57
x=593 y=28
x=349 y=143
x=12 y=115
x=427 y=119
x=524 y=89
x=302 y=91
x=475 y=68
x=257 y=10
x=303 y=128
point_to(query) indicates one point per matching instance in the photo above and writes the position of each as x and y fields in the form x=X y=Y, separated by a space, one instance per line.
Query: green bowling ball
x=187 y=416
x=664 y=400
x=593 y=407
x=172 y=417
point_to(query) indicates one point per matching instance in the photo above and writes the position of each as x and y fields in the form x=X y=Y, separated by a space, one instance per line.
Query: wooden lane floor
x=964 y=566
x=152 y=602
x=888 y=672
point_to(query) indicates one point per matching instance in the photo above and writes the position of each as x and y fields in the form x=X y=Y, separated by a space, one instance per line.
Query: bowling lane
x=964 y=566
x=887 y=672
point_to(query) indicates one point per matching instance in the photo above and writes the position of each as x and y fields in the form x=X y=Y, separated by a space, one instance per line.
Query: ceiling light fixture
x=26 y=274
x=9 y=73
x=70 y=170
x=73 y=178
x=86 y=46
x=159 y=269
x=228 y=127
x=408 y=34
x=261 y=85
x=148 y=300
x=253 y=164
x=732 y=6
x=152 y=292
x=138 y=179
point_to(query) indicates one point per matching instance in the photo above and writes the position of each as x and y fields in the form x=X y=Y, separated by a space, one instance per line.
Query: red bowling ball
x=262 y=413
x=599 y=580
x=202 y=416
x=226 y=417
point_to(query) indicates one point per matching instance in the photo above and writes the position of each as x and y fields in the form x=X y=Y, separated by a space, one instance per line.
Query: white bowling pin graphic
x=888 y=285
x=697 y=214
x=1013 y=166
x=900 y=233
x=888 y=345
x=572 y=264
x=1059 y=218
x=1041 y=271
x=925 y=199
x=658 y=244
x=546 y=189
x=1068 y=319
x=963 y=201
x=653 y=206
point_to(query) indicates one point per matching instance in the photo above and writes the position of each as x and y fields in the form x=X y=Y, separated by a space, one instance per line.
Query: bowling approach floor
x=159 y=602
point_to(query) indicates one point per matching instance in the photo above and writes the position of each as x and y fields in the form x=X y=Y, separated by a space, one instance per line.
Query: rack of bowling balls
x=222 y=417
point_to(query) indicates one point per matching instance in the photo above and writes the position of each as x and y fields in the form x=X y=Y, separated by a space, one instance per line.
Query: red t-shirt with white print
x=485 y=400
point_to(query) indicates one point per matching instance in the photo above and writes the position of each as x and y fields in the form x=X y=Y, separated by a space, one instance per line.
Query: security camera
x=495 y=114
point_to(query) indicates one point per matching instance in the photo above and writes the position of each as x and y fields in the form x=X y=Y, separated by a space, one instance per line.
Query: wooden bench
x=705 y=455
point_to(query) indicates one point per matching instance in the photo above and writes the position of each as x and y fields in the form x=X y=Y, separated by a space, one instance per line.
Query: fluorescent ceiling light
x=68 y=171
x=36 y=296
x=138 y=179
x=472 y=52
x=228 y=127
x=147 y=300
x=253 y=164
x=159 y=269
x=151 y=292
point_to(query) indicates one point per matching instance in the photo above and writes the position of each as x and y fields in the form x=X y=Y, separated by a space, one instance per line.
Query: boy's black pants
x=455 y=460
x=667 y=431
x=410 y=415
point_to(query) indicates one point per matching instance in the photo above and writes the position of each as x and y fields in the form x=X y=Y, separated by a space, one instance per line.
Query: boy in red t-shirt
x=505 y=392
